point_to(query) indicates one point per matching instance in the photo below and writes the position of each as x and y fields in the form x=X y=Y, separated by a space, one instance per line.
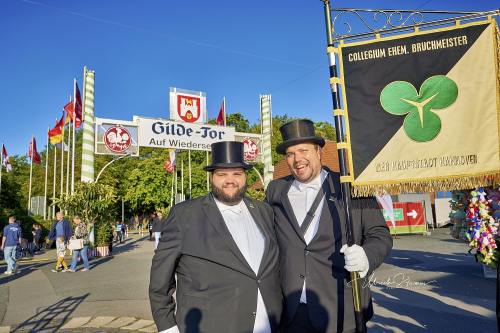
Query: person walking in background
x=37 y=236
x=61 y=253
x=81 y=233
x=157 y=227
x=151 y=225
x=119 y=232
x=11 y=239
x=61 y=232
x=124 y=231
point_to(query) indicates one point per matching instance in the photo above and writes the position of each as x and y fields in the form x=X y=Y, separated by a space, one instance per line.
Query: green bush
x=102 y=233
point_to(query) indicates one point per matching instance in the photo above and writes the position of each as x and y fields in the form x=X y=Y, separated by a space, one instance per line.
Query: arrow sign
x=413 y=214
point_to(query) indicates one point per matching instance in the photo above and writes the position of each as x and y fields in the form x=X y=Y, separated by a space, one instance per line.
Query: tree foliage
x=141 y=182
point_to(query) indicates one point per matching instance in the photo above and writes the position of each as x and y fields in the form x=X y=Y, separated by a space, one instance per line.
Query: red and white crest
x=251 y=149
x=188 y=108
x=117 y=139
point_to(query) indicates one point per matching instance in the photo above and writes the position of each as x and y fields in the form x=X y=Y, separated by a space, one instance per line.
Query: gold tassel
x=426 y=185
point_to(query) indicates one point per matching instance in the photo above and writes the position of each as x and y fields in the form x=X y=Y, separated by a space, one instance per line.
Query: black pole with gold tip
x=338 y=114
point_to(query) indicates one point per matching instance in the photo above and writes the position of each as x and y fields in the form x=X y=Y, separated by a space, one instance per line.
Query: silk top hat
x=298 y=131
x=227 y=154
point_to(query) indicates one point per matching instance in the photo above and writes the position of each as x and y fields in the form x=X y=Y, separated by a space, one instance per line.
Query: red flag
x=221 y=118
x=33 y=153
x=74 y=108
x=5 y=159
x=78 y=107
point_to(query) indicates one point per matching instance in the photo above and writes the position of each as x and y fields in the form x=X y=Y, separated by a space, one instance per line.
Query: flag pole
x=62 y=160
x=172 y=188
x=345 y=185
x=189 y=162
x=31 y=174
x=208 y=175
x=182 y=178
x=46 y=175
x=54 y=182
x=1 y=167
x=224 y=108
x=74 y=140
x=67 y=159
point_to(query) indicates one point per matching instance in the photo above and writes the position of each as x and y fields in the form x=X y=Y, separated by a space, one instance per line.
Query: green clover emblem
x=421 y=123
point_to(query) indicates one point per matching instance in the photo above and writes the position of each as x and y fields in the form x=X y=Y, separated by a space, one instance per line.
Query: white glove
x=355 y=259
x=173 y=329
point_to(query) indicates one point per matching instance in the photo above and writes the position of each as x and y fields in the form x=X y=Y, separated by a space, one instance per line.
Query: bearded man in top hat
x=219 y=254
x=310 y=226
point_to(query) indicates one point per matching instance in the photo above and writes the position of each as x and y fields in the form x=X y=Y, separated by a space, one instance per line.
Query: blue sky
x=140 y=48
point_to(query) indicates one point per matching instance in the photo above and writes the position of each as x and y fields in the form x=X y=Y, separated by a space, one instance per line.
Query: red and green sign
x=409 y=218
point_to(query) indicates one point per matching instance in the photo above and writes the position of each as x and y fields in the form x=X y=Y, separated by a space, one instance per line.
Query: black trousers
x=300 y=322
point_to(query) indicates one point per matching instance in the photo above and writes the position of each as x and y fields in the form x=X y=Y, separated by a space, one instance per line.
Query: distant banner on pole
x=163 y=133
x=423 y=110
x=188 y=106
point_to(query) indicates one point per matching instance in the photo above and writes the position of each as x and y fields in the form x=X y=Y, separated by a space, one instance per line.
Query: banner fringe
x=426 y=185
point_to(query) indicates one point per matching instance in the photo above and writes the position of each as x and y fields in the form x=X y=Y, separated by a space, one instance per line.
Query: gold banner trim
x=449 y=183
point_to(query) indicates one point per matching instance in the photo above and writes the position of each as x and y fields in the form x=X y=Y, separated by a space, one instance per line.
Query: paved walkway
x=113 y=295
x=428 y=284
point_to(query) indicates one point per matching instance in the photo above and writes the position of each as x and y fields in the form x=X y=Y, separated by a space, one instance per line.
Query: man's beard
x=230 y=200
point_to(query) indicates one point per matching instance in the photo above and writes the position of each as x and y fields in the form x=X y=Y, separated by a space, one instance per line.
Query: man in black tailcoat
x=314 y=259
x=219 y=254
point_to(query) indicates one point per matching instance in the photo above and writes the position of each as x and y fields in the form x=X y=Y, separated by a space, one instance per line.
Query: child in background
x=61 y=252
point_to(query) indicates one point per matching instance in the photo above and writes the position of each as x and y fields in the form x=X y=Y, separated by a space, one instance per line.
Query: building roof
x=329 y=157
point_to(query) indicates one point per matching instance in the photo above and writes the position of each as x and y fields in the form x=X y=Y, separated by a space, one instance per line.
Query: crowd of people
x=68 y=238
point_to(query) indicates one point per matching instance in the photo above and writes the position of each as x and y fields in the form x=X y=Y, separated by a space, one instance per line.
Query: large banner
x=188 y=106
x=163 y=133
x=423 y=110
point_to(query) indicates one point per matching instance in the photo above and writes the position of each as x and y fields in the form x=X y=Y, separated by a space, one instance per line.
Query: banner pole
x=346 y=186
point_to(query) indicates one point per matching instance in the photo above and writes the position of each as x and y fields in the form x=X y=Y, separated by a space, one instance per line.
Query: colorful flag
x=74 y=107
x=33 y=153
x=169 y=164
x=55 y=134
x=5 y=159
x=221 y=118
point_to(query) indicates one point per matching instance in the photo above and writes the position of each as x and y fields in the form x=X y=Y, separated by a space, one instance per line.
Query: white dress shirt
x=301 y=196
x=251 y=243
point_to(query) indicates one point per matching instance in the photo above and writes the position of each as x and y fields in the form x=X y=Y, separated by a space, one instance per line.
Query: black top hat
x=227 y=154
x=298 y=131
